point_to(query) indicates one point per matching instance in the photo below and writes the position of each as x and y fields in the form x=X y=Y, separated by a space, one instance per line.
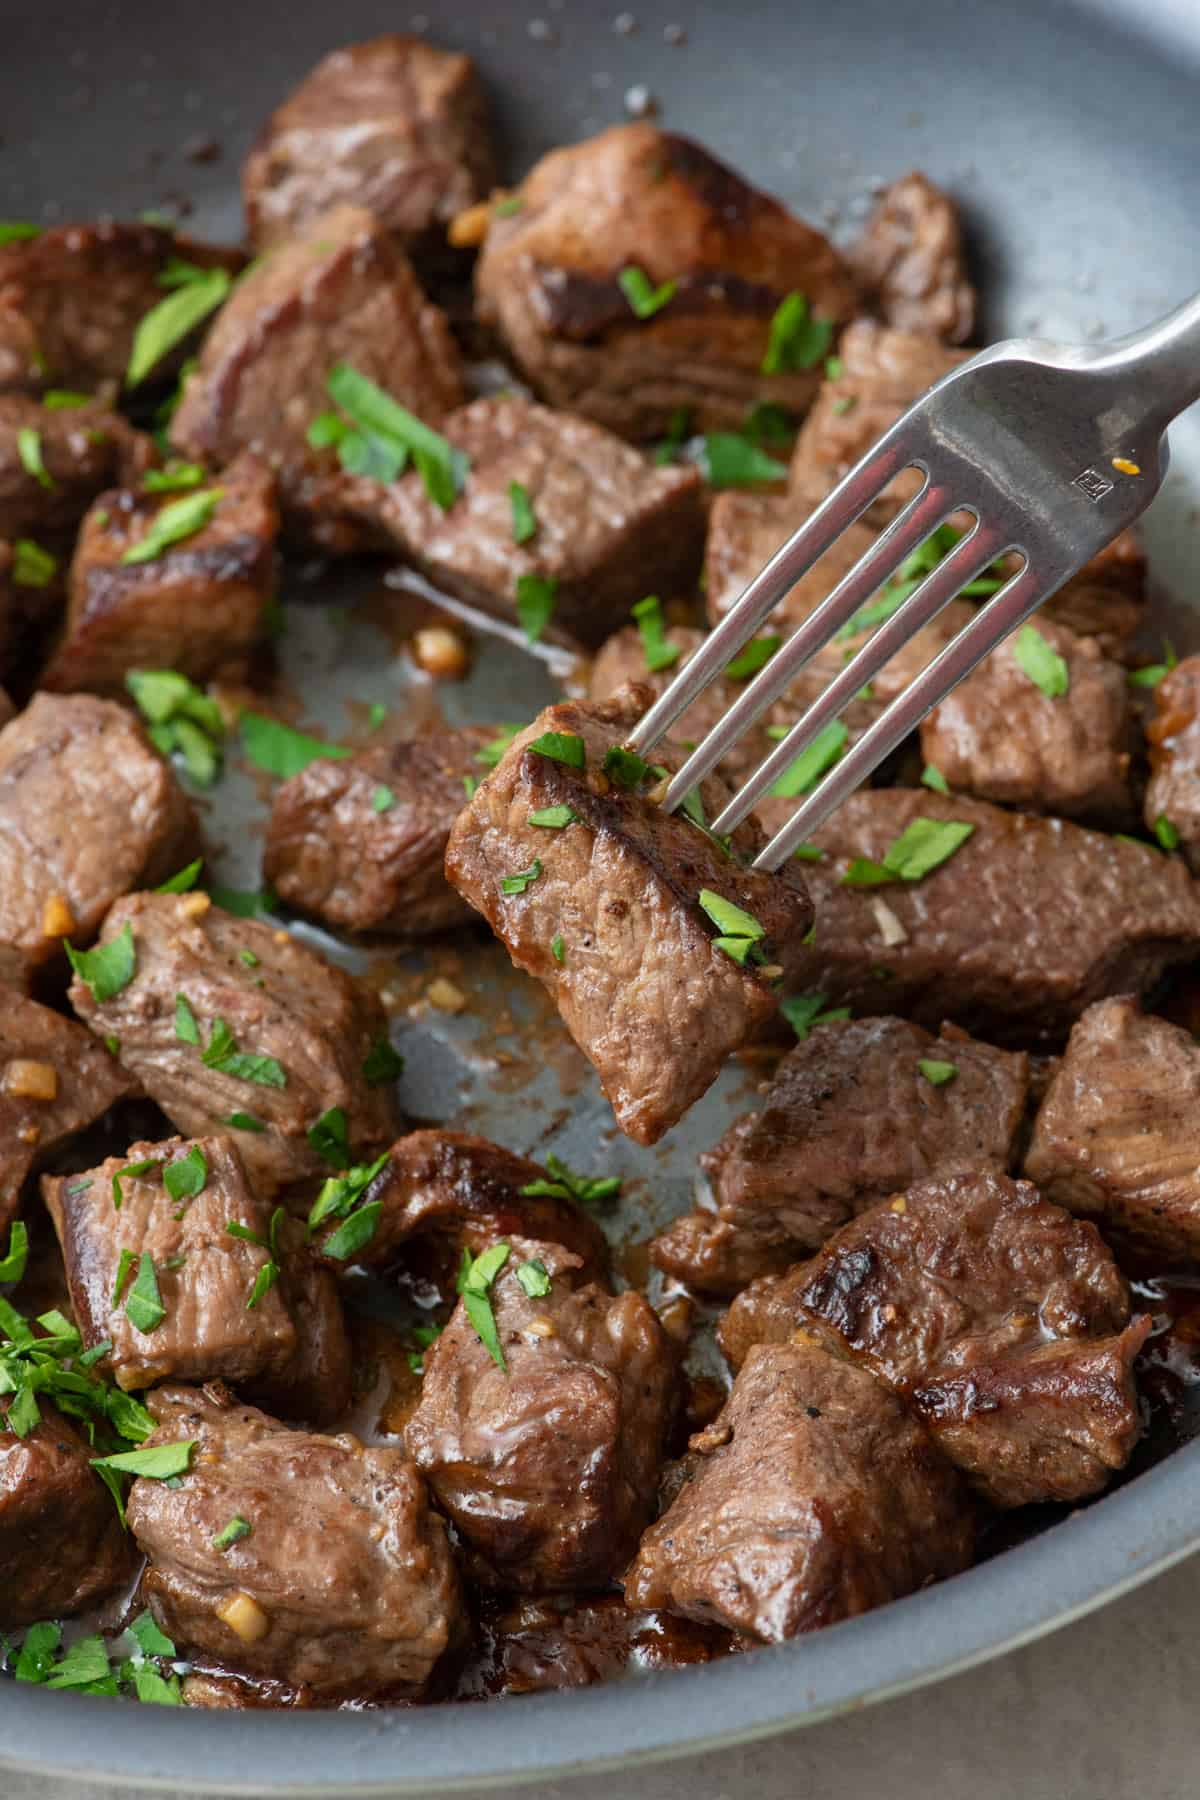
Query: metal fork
x=1053 y=448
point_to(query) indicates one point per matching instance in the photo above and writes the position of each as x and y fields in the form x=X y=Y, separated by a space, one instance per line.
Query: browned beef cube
x=1106 y=599
x=549 y=279
x=1118 y=1135
x=1173 y=792
x=910 y=258
x=267 y=1028
x=851 y=1117
x=343 y=292
x=53 y=463
x=316 y=1383
x=605 y=910
x=548 y=1466
x=444 y=1192
x=1014 y=935
x=745 y=531
x=361 y=842
x=975 y=1278
x=197 y=607
x=556 y=1641
x=216 y=1316
x=882 y=372
x=87 y=811
x=815 y=1495
x=56 y=1079
x=395 y=125
x=61 y=1543
x=1003 y=737
x=32 y=596
x=344 y=1582
x=611 y=527
x=71 y=300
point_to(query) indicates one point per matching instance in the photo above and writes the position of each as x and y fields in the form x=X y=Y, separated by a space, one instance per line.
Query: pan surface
x=1070 y=132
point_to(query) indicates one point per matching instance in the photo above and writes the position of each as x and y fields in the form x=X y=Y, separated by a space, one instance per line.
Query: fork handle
x=1163 y=359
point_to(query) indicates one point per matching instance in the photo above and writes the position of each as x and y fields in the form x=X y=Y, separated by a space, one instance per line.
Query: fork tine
x=909 y=529
x=970 y=557
x=1021 y=596
x=865 y=482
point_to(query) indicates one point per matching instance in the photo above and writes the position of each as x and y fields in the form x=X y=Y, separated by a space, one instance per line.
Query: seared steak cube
x=443 y=1192
x=550 y=279
x=55 y=1079
x=53 y=463
x=342 y=293
x=213 y=1311
x=1059 y=743
x=611 y=527
x=344 y=1581
x=395 y=125
x=910 y=259
x=222 y=1018
x=975 y=940
x=360 y=842
x=856 y=1112
x=196 y=607
x=745 y=531
x=815 y=1495
x=87 y=811
x=61 y=1543
x=601 y=901
x=548 y=1466
x=1118 y=1135
x=973 y=1278
x=71 y=301
x=316 y=1382
x=1173 y=792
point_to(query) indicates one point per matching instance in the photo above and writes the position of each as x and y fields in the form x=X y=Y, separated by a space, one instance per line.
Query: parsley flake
x=644 y=298
x=922 y=846
x=935 y=1072
x=143 y=1307
x=657 y=649
x=1037 y=658
x=177 y=520
x=175 y=318
x=32 y=567
x=29 y=449
x=536 y=598
x=795 y=341
x=107 y=969
x=553 y=818
x=232 y=1533
x=474 y=1282
x=279 y=749
x=803 y=1011
x=516 y=884
x=524 y=520
x=560 y=746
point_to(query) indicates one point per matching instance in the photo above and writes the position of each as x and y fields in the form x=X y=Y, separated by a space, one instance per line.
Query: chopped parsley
x=264 y=1281
x=159 y=1463
x=143 y=1305
x=375 y=436
x=146 y=1167
x=330 y=1137
x=18 y=231
x=796 y=341
x=244 y=904
x=85 y=1667
x=177 y=520
x=922 y=846
x=657 y=650
x=625 y=768
x=511 y=203
x=644 y=298
x=566 y=1184
x=248 y=957
x=244 y=1121
x=933 y=778
x=536 y=598
x=516 y=884
x=354 y=1233
x=186 y=1028
x=767 y=423
x=196 y=294
x=730 y=460
x=382 y=1064
x=1150 y=676
x=223 y=1055
x=491 y=753
x=803 y=1011
x=1166 y=833
x=1037 y=658
x=835 y=368
x=108 y=968
x=678 y=426
x=181 y=719
x=524 y=519
x=232 y=1533
x=908 y=577
x=739 y=931
x=29 y=449
x=560 y=746
x=32 y=566
x=279 y=749
x=184 y=880
x=558 y=949
x=474 y=1282
x=175 y=477
x=338 y=1199
x=534 y=1278
x=803 y=774
x=12 y=1266
x=423 y=1336
x=935 y=1072
x=382 y=799
x=125 y=1263
x=553 y=818
x=755 y=656
x=186 y=1176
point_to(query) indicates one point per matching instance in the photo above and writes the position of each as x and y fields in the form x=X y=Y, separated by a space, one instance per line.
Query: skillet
x=1069 y=129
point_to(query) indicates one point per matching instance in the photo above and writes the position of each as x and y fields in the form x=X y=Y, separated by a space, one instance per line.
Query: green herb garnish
x=658 y=651
x=108 y=968
x=625 y=768
x=803 y=1011
x=524 y=520
x=803 y=774
x=174 y=318
x=382 y=799
x=12 y=1266
x=330 y=1137
x=223 y=1055
x=1037 y=658
x=922 y=846
x=475 y=1279
x=177 y=520
x=382 y=1064
x=29 y=449
x=176 y=476
x=933 y=778
x=937 y=1073
x=644 y=298
x=184 y=880
x=560 y=746
x=381 y=437
x=558 y=949
x=534 y=1278
x=278 y=749
x=536 y=597
x=553 y=818
x=244 y=1121
x=185 y=1177
x=516 y=884
x=1150 y=676
x=32 y=566
x=181 y=718
x=678 y=427
x=730 y=460
x=755 y=656
x=232 y=1533
x=796 y=341
x=567 y=1184
x=1166 y=833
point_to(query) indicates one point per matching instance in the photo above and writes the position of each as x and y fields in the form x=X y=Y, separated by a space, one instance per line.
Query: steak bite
x=745 y=531
x=55 y=1080
x=343 y=293
x=316 y=1383
x=1044 y=724
x=813 y=1496
x=548 y=1467
x=1173 y=733
x=601 y=901
x=394 y=125
x=343 y=1583
x=32 y=596
x=610 y=526
x=71 y=300
x=856 y=1112
x=88 y=810
x=443 y=1192
x=61 y=1543
x=217 y=1313
x=197 y=606
x=1117 y=1138
x=717 y=256
x=910 y=259
x=53 y=463
x=976 y=940
x=360 y=842
x=1001 y=1317
x=222 y=1018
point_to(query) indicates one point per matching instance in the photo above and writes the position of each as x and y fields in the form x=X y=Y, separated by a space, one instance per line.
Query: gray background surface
x=1105 y=1709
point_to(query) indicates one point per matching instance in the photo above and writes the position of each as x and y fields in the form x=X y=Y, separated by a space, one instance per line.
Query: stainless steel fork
x=1053 y=448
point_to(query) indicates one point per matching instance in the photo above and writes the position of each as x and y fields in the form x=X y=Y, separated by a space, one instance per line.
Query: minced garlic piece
x=31 y=1080
x=245 y=1617
x=467 y=229
x=899 y=1204
x=57 y=918
x=193 y=906
x=440 y=652
x=890 y=929
x=445 y=996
